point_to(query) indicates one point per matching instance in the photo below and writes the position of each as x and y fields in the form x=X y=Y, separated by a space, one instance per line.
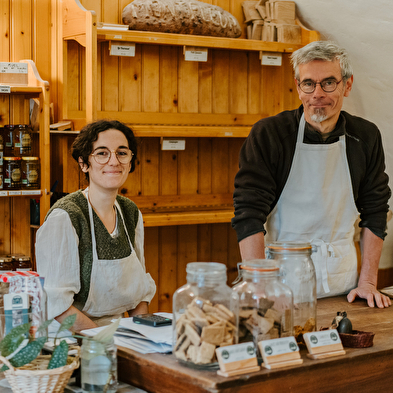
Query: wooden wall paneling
x=187 y=250
x=111 y=12
x=205 y=154
x=272 y=97
x=72 y=89
x=219 y=166
x=4 y=109
x=204 y=243
x=188 y=85
x=219 y=251
x=150 y=166
x=291 y=97
x=42 y=38
x=20 y=225
x=109 y=80
x=205 y=80
x=220 y=83
x=5 y=228
x=167 y=280
x=130 y=83
x=96 y=6
x=238 y=81
x=188 y=168
x=5 y=31
x=21 y=30
x=169 y=78
x=152 y=258
x=254 y=93
x=133 y=185
x=168 y=172
x=150 y=78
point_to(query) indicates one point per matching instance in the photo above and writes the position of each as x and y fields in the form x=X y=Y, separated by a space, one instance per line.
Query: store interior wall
x=365 y=29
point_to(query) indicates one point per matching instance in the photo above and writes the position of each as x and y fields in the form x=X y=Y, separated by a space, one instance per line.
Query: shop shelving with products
x=15 y=204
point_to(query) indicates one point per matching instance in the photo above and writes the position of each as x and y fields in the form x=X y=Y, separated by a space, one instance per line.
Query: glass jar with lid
x=98 y=366
x=12 y=173
x=31 y=173
x=1 y=145
x=9 y=139
x=22 y=140
x=265 y=303
x=205 y=314
x=298 y=272
x=6 y=264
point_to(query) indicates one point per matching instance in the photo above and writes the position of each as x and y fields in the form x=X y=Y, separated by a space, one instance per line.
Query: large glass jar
x=31 y=173
x=12 y=172
x=22 y=140
x=98 y=366
x=265 y=303
x=298 y=272
x=8 y=139
x=205 y=314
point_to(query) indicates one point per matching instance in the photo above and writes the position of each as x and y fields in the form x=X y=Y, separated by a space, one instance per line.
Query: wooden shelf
x=147 y=37
x=187 y=218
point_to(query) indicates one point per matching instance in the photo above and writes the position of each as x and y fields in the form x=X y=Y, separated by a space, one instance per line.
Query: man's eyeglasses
x=102 y=155
x=327 y=85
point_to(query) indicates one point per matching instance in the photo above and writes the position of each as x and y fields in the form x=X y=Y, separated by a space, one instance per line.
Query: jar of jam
x=8 y=139
x=12 y=173
x=22 y=140
x=1 y=177
x=22 y=263
x=31 y=173
x=6 y=264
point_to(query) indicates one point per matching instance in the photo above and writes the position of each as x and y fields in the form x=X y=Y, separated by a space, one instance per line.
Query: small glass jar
x=12 y=173
x=31 y=173
x=6 y=264
x=205 y=314
x=298 y=272
x=9 y=139
x=1 y=145
x=98 y=366
x=1 y=177
x=22 y=140
x=22 y=263
x=265 y=303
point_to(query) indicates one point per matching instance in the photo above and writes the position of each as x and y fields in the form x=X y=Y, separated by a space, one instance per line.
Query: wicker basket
x=357 y=339
x=36 y=378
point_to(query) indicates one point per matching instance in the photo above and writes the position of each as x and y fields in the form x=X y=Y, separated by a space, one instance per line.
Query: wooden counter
x=360 y=370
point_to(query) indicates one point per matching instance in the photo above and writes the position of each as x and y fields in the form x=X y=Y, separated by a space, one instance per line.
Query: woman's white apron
x=116 y=285
x=317 y=206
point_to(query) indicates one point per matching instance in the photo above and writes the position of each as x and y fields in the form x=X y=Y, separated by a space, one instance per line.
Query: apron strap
x=321 y=256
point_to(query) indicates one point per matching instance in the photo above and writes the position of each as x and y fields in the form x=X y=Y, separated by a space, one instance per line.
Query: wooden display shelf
x=187 y=218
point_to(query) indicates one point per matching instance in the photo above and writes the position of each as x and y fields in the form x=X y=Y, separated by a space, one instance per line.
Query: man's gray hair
x=325 y=51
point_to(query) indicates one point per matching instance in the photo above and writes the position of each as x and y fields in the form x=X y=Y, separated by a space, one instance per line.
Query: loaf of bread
x=181 y=17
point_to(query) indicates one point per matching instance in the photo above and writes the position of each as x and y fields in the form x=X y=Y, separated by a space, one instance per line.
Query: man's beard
x=319 y=115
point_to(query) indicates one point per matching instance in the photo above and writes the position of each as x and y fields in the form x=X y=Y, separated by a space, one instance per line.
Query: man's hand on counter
x=371 y=294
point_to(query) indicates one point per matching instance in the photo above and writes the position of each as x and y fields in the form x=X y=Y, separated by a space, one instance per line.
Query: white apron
x=317 y=206
x=116 y=285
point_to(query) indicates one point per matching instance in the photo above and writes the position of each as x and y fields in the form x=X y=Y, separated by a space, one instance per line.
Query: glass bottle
x=205 y=314
x=298 y=272
x=98 y=366
x=9 y=139
x=265 y=303
x=22 y=140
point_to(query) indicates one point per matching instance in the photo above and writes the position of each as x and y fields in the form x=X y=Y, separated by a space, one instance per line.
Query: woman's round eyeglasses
x=102 y=155
x=327 y=85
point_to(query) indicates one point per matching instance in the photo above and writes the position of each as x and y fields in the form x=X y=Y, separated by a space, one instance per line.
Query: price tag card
x=13 y=68
x=5 y=89
x=122 y=49
x=271 y=58
x=192 y=53
x=14 y=193
x=3 y=193
x=237 y=359
x=280 y=352
x=324 y=343
x=31 y=192
x=13 y=73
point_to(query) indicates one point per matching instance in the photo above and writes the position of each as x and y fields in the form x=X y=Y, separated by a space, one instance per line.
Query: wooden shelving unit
x=93 y=36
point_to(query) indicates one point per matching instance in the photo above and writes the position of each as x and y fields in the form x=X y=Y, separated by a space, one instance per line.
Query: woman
x=90 y=247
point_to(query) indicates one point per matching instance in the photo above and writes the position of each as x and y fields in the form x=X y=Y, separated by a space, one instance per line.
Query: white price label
x=122 y=49
x=271 y=58
x=13 y=68
x=322 y=338
x=5 y=89
x=236 y=353
x=278 y=346
x=195 y=54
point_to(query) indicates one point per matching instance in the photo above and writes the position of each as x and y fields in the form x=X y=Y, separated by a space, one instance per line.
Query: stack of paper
x=141 y=338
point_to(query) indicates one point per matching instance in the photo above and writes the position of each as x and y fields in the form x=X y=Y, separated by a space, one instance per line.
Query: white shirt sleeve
x=139 y=249
x=57 y=259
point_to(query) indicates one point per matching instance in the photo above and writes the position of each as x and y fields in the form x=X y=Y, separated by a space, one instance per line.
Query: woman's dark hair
x=83 y=143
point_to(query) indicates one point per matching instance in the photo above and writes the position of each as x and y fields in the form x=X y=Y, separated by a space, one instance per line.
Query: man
x=308 y=173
